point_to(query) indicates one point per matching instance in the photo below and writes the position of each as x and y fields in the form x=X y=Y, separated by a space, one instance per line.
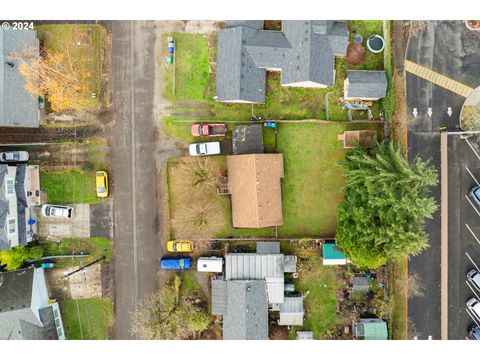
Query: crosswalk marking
x=437 y=79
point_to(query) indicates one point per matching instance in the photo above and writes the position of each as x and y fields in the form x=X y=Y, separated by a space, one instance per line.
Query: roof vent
x=249 y=288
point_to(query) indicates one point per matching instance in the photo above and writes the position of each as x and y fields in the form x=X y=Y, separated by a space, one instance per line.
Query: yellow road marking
x=437 y=78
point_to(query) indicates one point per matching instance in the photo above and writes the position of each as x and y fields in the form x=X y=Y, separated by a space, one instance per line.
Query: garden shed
x=333 y=255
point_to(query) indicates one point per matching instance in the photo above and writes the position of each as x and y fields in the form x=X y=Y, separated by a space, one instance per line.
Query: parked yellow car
x=180 y=246
x=101 y=180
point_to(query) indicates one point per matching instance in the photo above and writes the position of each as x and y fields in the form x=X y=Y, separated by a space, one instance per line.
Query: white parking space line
x=471 y=147
x=475 y=236
x=474 y=207
x=471 y=288
x=473 y=177
x=472 y=316
x=476 y=267
x=466 y=338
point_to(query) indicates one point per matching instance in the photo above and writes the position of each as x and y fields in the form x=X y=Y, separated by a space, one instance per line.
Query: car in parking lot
x=474 y=306
x=473 y=277
x=168 y=263
x=14 y=156
x=203 y=149
x=474 y=332
x=101 y=182
x=474 y=193
x=180 y=246
x=57 y=211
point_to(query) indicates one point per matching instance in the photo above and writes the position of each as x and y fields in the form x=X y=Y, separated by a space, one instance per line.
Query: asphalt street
x=448 y=48
x=133 y=146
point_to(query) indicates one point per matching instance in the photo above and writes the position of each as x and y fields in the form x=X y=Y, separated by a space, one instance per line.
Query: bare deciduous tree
x=61 y=76
x=415 y=27
x=415 y=286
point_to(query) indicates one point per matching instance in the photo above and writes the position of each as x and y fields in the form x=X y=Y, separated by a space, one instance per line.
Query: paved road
x=133 y=147
x=447 y=48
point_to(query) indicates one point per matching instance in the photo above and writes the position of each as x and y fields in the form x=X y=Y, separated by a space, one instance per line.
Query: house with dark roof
x=19 y=193
x=304 y=52
x=254 y=183
x=252 y=286
x=26 y=312
x=17 y=106
x=365 y=85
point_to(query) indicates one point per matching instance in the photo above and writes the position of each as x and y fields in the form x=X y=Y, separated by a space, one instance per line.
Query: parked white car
x=474 y=305
x=57 y=211
x=14 y=156
x=473 y=277
x=203 y=149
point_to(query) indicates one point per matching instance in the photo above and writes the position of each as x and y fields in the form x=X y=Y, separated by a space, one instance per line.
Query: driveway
x=78 y=227
x=448 y=48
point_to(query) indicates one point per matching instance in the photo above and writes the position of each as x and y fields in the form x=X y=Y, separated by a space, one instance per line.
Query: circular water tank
x=375 y=43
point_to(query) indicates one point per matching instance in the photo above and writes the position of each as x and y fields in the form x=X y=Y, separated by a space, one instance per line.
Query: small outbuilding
x=247 y=139
x=365 y=85
x=305 y=335
x=370 y=329
x=364 y=138
x=360 y=283
x=291 y=311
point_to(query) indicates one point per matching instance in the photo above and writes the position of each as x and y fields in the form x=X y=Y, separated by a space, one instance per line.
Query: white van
x=210 y=264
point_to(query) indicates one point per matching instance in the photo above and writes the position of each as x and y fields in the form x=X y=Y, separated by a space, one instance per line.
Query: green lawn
x=313 y=185
x=189 y=281
x=366 y=28
x=95 y=247
x=69 y=187
x=90 y=52
x=95 y=321
x=397 y=322
x=191 y=68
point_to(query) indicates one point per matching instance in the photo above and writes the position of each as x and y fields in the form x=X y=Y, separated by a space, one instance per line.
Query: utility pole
x=83 y=267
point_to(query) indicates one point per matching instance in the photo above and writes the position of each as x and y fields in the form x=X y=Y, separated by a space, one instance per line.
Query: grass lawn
x=312 y=187
x=56 y=38
x=95 y=322
x=95 y=247
x=191 y=68
x=319 y=285
x=189 y=281
x=69 y=187
x=366 y=28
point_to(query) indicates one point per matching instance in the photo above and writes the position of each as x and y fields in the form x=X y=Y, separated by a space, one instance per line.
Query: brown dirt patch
x=355 y=54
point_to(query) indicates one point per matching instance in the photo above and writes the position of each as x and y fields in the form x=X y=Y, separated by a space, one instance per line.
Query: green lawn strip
x=388 y=102
x=397 y=322
x=95 y=247
x=312 y=187
x=69 y=187
x=95 y=322
x=92 y=38
x=191 y=68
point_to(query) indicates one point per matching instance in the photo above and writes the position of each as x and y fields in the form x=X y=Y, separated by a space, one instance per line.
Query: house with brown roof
x=254 y=185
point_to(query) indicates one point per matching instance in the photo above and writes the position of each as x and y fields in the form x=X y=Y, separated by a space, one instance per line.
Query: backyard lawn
x=94 y=323
x=85 y=44
x=69 y=187
x=312 y=187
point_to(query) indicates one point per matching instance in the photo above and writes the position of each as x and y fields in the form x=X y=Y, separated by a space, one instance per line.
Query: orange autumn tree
x=61 y=77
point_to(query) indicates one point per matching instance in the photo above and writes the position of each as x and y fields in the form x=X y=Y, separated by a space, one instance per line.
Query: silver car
x=57 y=211
x=473 y=277
x=14 y=156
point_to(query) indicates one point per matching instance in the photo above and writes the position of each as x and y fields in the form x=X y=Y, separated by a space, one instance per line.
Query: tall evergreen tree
x=385 y=206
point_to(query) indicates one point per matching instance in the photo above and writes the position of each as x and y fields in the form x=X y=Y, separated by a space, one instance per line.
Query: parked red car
x=209 y=130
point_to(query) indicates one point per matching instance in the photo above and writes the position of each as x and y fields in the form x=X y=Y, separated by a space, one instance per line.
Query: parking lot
x=464 y=231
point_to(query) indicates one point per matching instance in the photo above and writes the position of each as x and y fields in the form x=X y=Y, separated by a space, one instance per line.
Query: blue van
x=183 y=263
x=475 y=332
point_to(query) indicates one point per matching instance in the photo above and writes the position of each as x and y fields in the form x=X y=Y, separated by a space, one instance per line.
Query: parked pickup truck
x=183 y=263
x=209 y=130
x=203 y=149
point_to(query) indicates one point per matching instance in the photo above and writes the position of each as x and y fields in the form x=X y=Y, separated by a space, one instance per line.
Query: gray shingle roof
x=303 y=50
x=366 y=84
x=17 y=107
x=245 y=312
x=268 y=247
x=254 y=24
x=21 y=203
x=291 y=311
x=4 y=244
